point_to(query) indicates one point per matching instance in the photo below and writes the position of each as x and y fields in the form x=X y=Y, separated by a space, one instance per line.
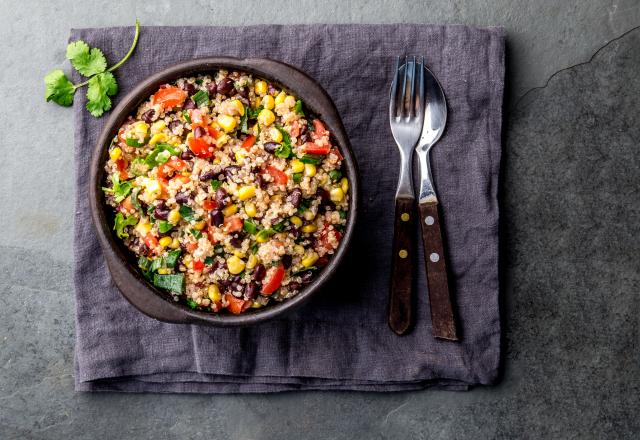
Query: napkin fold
x=340 y=340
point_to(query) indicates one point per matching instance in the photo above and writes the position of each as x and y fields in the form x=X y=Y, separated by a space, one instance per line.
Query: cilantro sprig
x=91 y=63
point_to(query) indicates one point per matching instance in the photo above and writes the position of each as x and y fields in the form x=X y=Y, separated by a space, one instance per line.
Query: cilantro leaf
x=120 y=190
x=58 y=88
x=298 y=108
x=100 y=88
x=284 y=150
x=121 y=222
x=85 y=60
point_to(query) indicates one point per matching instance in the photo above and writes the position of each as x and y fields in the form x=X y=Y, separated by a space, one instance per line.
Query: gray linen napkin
x=340 y=340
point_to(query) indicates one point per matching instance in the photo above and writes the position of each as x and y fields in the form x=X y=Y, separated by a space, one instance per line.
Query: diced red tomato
x=279 y=177
x=213 y=132
x=335 y=151
x=200 y=147
x=198 y=265
x=182 y=179
x=233 y=224
x=164 y=191
x=169 y=97
x=192 y=246
x=197 y=118
x=122 y=169
x=324 y=242
x=236 y=305
x=171 y=166
x=209 y=205
x=248 y=142
x=320 y=130
x=210 y=231
x=313 y=148
x=150 y=241
x=273 y=281
x=126 y=206
x=295 y=130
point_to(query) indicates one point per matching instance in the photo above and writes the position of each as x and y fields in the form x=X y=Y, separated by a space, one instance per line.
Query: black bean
x=231 y=171
x=235 y=279
x=189 y=88
x=295 y=197
x=217 y=217
x=199 y=132
x=225 y=85
x=212 y=88
x=222 y=198
x=271 y=147
x=286 y=260
x=259 y=272
x=189 y=104
x=325 y=198
x=173 y=125
x=244 y=92
x=306 y=277
x=236 y=241
x=148 y=116
x=183 y=197
x=263 y=184
x=161 y=212
x=224 y=283
x=251 y=290
x=187 y=154
x=211 y=174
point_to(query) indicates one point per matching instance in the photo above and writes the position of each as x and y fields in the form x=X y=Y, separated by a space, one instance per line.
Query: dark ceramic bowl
x=122 y=263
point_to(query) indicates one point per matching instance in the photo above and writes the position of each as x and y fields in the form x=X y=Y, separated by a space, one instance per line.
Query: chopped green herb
x=335 y=175
x=134 y=199
x=187 y=213
x=161 y=154
x=254 y=248
x=144 y=263
x=185 y=115
x=264 y=234
x=338 y=227
x=279 y=227
x=191 y=303
x=171 y=259
x=284 y=150
x=208 y=261
x=297 y=177
x=164 y=226
x=201 y=98
x=304 y=205
x=244 y=123
x=343 y=214
x=121 y=222
x=199 y=81
x=133 y=142
x=312 y=158
x=138 y=166
x=252 y=113
x=215 y=184
x=197 y=234
x=173 y=283
x=120 y=190
x=250 y=227
x=298 y=108
x=155 y=265
x=219 y=249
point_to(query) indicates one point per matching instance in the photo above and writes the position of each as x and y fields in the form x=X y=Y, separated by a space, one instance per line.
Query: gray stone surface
x=571 y=259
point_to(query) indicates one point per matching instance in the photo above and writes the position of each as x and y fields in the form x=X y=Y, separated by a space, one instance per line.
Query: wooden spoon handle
x=400 y=297
x=442 y=321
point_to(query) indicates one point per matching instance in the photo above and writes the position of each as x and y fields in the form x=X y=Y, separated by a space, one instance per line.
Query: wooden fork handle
x=442 y=321
x=400 y=296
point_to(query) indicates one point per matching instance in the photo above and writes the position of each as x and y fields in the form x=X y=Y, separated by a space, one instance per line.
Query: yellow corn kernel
x=143 y=228
x=158 y=126
x=256 y=305
x=268 y=102
x=309 y=259
x=163 y=271
x=227 y=123
x=275 y=134
x=298 y=249
x=344 y=184
x=215 y=125
x=309 y=215
x=336 y=194
x=323 y=179
x=115 y=154
x=213 y=292
x=240 y=155
x=165 y=241
x=280 y=98
x=296 y=221
x=222 y=139
x=310 y=169
x=230 y=210
x=246 y=192
x=262 y=238
x=255 y=130
x=235 y=265
x=175 y=244
x=290 y=101
x=141 y=128
x=238 y=106
x=158 y=137
x=200 y=225
x=308 y=229
x=174 y=140
x=174 y=216
x=297 y=166
x=250 y=209
x=252 y=261
x=187 y=260
x=152 y=190
x=266 y=117
x=260 y=87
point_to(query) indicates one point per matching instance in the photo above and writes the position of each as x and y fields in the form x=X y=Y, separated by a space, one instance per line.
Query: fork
x=406 y=116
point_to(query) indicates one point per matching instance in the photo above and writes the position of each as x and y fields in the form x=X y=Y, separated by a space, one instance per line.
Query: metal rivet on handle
x=404 y=217
x=403 y=253
x=429 y=220
x=434 y=257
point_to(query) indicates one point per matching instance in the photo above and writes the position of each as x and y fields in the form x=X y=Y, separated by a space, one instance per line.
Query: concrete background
x=570 y=209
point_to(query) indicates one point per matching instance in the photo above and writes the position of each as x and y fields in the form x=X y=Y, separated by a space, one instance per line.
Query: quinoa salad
x=228 y=191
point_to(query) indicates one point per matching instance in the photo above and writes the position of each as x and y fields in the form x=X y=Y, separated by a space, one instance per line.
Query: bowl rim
x=143 y=295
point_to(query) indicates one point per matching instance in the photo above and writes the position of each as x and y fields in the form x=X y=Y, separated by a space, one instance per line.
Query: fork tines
x=402 y=98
